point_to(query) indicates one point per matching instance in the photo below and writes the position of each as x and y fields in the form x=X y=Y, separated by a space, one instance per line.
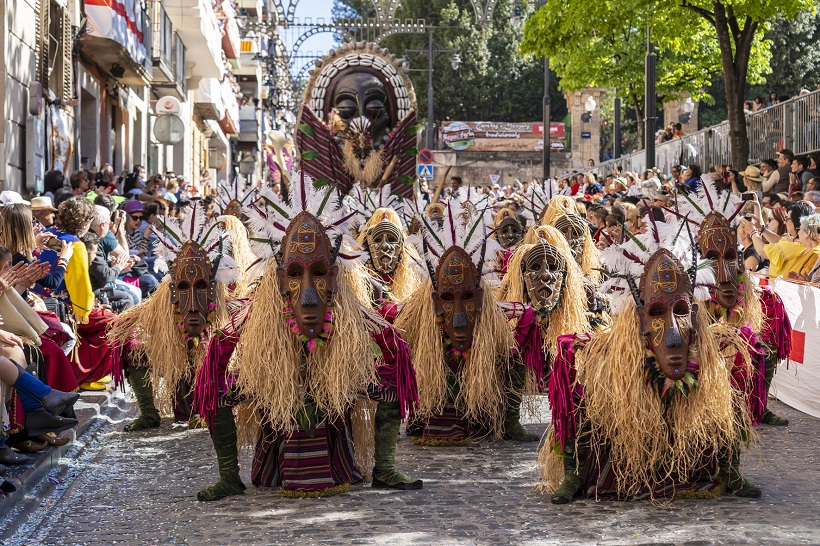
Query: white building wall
x=19 y=70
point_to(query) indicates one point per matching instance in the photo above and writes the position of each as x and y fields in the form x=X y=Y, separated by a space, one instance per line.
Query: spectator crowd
x=70 y=261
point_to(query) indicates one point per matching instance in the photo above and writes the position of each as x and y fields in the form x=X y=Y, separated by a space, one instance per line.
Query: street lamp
x=687 y=107
x=589 y=107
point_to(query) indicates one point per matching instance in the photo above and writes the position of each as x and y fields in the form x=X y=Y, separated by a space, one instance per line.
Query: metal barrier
x=793 y=124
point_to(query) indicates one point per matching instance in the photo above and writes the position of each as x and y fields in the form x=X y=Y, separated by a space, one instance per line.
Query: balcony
x=168 y=55
x=254 y=8
x=230 y=32
x=249 y=65
x=249 y=124
x=196 y=24
x=228 y=123
x=208 y=102
x=120 y=44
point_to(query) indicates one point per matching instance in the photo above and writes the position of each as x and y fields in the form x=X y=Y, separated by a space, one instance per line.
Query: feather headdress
x=232 y=198
x=624 y=263
x=538 y=201
x=461 y=228
x=270 y=216
x=365 y=202
x=696 y=206
x=195 y=226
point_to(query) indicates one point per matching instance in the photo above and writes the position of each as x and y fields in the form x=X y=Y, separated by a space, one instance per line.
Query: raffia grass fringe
x=268 y=358
x=310 y=494
x=441 y=443
x=483 y=377
x=154 y=325
x=622 y=410
x=363 y=435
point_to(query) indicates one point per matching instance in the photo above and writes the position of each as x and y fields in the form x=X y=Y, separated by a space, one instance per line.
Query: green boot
x=385 y=474
x=729 y=475
x=572 y=483
x=512 y=417
x=769 y=417
x=140 y=381
x=223 y=435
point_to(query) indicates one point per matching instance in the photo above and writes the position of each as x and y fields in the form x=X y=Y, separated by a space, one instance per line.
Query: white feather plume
x=698 y=204
x=195 y=225
x=271 y=215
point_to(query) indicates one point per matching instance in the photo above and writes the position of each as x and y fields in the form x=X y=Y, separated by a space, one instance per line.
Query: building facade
x=86 y=86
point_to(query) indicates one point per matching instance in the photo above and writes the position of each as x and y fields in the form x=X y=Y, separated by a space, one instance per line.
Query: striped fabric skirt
x=450 y=425
x=299 y=462
x=599 y=480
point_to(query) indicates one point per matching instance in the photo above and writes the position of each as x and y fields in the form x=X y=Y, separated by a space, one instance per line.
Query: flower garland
x=458 y=355
x=316 y=342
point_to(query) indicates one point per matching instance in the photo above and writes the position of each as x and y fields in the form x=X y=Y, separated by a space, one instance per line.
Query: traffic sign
x=426 y=156
x=425 y=171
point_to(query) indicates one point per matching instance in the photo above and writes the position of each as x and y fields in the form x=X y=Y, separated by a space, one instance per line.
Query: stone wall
x=476 y=167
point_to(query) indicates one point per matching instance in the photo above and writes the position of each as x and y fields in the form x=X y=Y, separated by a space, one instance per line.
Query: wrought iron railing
x=793 y=124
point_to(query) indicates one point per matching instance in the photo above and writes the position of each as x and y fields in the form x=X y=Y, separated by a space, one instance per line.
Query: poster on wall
x=501 y=136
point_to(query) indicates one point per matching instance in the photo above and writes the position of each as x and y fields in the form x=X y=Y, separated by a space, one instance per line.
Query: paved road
x=140 y=489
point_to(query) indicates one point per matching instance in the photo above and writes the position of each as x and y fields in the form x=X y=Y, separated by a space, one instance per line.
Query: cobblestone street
x=140 y=489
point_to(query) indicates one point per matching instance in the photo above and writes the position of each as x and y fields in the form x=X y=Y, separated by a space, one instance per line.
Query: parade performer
x=648 y=407
x=464 y=353
x=162 y=341
x=734 y=297
x=232 y=201
x=391 y=262
x=304 y=353
x=545 y=276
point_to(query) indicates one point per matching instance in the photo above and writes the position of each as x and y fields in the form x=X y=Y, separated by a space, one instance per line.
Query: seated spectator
x=104 y=277
x=751 y=259
x=787 y=257
x=43 y=210
x=80 y=183
x=691 y=180
x=53 y=181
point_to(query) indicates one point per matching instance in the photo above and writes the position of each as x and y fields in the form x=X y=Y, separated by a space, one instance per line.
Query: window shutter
x=41 y=46
x=66 y=64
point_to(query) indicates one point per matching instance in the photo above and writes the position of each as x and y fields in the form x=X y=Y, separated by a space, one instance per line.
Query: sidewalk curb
x=92 y=408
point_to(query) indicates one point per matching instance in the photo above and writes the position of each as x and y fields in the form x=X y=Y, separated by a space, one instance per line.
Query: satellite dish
x=169 y=129
x=217 y=159
x=167 y=105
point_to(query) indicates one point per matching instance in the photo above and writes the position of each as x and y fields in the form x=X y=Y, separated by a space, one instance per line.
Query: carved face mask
x=385 y=240
x=718 y=242
x=575 y=230
x=360 y=95
x=509 y=232
x=458 y=299
x=544 y=271
x=668 y=315
x=307 y=276
x=192 y=288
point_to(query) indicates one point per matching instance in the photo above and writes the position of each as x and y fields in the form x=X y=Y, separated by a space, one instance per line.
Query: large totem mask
x=458 y=297
x=509 y=232
x=668 y=316
x=544 y=271
x=307 y=274
x=193 y=290
x=360 y=99
x=385 y=241
x=718 y=242
x=575 y=231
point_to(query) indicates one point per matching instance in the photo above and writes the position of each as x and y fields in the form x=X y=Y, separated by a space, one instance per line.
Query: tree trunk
x=735 y=65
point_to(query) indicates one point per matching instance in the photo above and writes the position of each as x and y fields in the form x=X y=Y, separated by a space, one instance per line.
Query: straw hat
x=42 y=203
x=752 y=173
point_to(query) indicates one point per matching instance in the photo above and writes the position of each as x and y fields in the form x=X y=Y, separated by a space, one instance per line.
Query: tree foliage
x=603 y=44
x=493 y=83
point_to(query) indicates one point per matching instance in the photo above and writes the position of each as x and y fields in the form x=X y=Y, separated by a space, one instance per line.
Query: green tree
x=693 y=40
x=493 y=83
